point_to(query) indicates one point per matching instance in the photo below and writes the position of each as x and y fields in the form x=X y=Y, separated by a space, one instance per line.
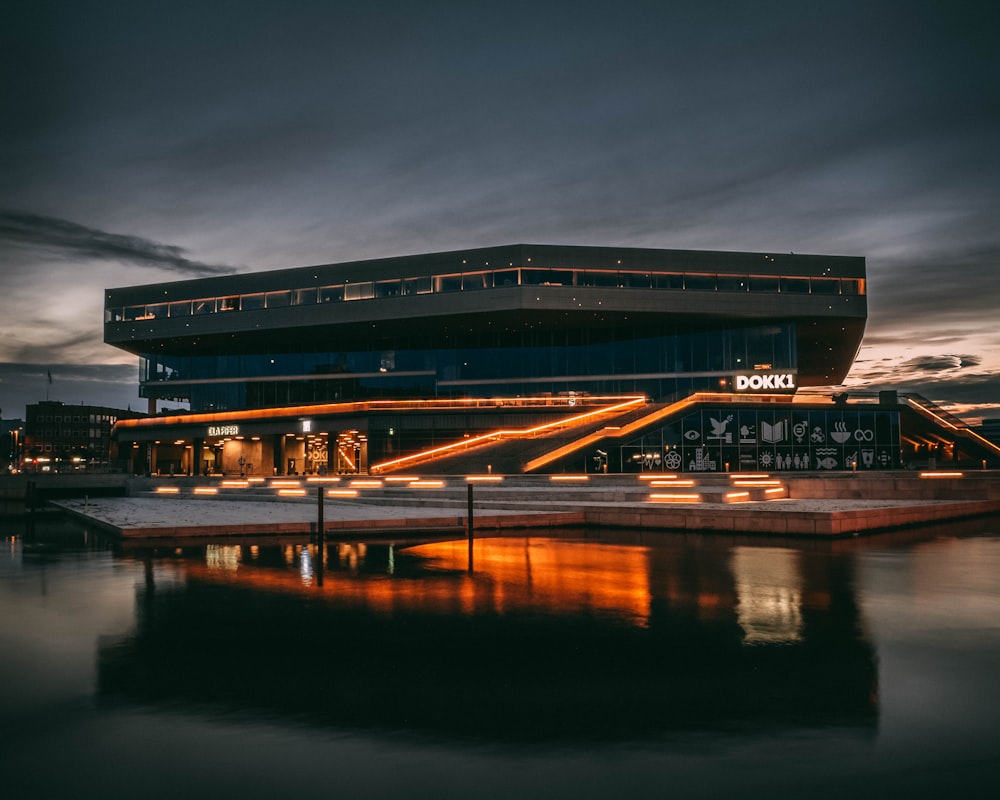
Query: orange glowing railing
x=510 y=433
x=295 y=413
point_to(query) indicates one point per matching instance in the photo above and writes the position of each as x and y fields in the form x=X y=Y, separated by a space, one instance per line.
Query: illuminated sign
x=223 y=430
x=765 y=382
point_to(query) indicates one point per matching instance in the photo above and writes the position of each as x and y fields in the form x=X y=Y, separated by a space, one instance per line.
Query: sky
x=147 y=141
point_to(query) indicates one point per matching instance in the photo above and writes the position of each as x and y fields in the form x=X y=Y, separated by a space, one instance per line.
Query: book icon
x=773 y=433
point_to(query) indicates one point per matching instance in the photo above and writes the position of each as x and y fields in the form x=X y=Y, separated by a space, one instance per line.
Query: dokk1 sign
x=765 y=382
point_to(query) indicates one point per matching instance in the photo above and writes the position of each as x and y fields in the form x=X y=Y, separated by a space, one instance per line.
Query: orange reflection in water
x=559 y=575
x=510 y=574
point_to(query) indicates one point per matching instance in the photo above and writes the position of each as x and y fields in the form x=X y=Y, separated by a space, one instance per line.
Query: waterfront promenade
x=829 y=505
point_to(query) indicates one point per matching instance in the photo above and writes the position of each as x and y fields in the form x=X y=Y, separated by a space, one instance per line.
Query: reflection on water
x=547 y=640
x=769 y=590
x=586 y=664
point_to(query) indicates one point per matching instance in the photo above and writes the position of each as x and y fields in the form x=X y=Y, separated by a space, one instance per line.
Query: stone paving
x=187 y=516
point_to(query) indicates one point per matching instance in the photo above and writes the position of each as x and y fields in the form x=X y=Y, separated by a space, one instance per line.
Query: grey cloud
x=73 y=240
x=936 y=363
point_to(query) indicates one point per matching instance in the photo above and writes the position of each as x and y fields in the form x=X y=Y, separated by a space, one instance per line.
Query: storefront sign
x=765 y=382
x=223 y=430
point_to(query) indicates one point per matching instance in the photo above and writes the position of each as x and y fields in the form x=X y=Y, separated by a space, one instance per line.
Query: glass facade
x=739 y=282
x=662 y=363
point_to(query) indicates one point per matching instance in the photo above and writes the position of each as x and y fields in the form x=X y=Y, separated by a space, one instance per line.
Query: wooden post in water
x=469 y=524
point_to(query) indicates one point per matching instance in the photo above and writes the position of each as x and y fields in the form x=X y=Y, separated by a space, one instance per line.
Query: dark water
x=598 y=665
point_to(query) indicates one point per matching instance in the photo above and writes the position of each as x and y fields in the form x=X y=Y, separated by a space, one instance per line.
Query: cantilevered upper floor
x=509 y=296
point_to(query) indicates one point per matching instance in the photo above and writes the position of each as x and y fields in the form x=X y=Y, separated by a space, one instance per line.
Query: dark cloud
x=111 y=385
x=74 y=241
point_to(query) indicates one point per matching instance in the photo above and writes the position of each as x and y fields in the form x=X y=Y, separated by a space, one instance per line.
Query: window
x=674 y=281
x=732 y=283
x=763 y=284
x=279 y=299
x=506 y=277
x=206 y=306
x=182 y=308
x=359 y=291
x=637 y=280
x=331 y=294
x=795 y=285
x=477 y=280
x=417 y=285
x=699 y=283
x=825 y=286
x=447 y=283
x=252 y=302
x=304 y=297
x=229 y=303
x=388 y=288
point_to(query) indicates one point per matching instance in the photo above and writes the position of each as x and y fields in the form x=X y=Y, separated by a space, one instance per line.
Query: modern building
x=62 y=438
x=390 y=363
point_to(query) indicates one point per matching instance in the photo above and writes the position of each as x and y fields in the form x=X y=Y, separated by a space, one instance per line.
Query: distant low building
x=62 y=438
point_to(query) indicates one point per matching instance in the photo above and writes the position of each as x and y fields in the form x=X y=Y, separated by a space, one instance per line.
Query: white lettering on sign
x=760 y=383
x=223 y=430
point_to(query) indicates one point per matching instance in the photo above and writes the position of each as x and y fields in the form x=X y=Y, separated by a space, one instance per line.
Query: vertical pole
x=320 y=527
x=320 y=535
x=469 y=524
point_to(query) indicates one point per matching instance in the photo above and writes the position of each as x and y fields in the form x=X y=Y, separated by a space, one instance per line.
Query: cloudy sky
x=144 y=141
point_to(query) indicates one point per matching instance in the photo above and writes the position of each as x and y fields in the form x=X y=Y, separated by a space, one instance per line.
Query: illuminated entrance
x=351 y=455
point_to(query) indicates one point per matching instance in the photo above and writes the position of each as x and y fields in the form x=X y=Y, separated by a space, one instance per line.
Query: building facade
x=345 y=366
x=62 y=438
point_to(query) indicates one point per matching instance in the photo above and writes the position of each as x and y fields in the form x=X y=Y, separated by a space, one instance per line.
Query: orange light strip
x=278 y=484
x=942 y=474
x=736 y=495
x=342 y=493
x=568 y=478
x=235 y=484
x=402 y=478
x=675 y=482
x=292 y=492
x=757 y=483
x=294 y=413
x=749 y=475
x=364 y=484
x=782 y=490
x=206 y=490
x=653 y=476
x=426 y=484
x=323 y=480
x=484 y=478
x=167 y=490
x=256 y=480
x=675 y=498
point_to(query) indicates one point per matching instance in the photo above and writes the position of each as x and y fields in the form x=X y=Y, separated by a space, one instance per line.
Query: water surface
x=592 y=664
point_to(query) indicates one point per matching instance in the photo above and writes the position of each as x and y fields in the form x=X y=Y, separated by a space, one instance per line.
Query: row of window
x=475 y=281
x=93 y=419
x=93 y=433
